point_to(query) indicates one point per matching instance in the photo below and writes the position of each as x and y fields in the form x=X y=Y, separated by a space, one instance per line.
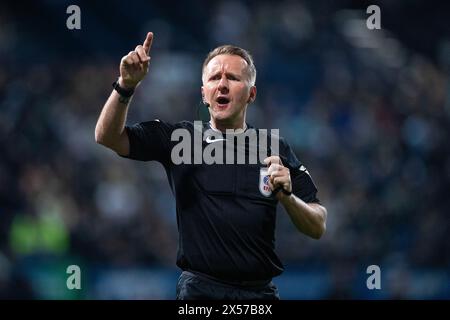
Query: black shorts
x=194 y=286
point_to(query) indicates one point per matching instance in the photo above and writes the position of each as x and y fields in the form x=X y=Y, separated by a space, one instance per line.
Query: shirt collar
x=237 y=131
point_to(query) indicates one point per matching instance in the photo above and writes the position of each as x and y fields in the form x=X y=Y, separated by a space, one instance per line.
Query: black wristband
x=126 y=93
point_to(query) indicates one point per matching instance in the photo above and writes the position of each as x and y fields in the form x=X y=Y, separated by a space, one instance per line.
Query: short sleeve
x=302 y=183
x=150 y=140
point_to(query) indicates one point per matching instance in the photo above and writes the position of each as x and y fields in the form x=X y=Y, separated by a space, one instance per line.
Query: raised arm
x=110 y=128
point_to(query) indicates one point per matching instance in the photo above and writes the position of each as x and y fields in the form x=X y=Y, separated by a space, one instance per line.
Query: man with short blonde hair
x=226 y=213
x=234 y=51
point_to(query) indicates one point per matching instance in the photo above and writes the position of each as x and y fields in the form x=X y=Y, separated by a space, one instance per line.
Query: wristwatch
x=126 y=93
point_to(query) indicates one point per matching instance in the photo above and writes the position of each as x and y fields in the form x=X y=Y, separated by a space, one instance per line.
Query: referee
x=226 y=213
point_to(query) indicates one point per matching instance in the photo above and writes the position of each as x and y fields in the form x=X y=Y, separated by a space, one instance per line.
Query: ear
x=203 y=94
x=252 y=95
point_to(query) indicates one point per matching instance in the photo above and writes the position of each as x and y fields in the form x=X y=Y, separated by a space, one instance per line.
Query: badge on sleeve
x=264 y=187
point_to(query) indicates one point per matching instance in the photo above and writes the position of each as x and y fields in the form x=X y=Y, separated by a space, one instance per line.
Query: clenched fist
x=134 y=66
x=279 y=176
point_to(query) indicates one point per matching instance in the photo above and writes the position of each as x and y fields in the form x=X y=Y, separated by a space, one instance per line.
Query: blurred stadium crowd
x=367 y=113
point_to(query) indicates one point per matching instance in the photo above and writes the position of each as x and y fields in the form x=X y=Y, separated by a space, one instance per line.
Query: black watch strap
x=126 y=93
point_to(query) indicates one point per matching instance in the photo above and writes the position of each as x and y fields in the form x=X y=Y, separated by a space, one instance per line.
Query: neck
x=224 y=126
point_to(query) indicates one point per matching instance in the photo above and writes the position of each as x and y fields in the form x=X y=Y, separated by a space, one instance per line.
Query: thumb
x=272 y=159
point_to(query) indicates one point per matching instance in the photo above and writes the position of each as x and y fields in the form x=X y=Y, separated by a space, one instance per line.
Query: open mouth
x=222 y=100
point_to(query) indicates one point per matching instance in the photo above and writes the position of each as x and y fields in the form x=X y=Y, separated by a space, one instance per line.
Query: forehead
x=227 y=63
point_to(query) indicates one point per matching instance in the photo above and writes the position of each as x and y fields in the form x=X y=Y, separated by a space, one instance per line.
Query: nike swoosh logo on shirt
x=209 y=140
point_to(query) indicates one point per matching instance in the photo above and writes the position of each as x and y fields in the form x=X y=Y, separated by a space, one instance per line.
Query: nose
x=223 y=84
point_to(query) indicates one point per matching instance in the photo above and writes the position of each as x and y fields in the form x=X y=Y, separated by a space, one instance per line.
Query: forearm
x=309 y=218
x=110 y=128
x=111 y=123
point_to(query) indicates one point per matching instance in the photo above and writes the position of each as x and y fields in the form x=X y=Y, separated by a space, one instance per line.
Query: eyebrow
x=226 y=73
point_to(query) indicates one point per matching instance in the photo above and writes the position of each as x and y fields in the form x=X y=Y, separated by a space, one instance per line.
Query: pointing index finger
x=148 y=42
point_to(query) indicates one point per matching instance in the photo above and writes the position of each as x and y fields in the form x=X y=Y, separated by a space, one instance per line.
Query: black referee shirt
x=226 y=224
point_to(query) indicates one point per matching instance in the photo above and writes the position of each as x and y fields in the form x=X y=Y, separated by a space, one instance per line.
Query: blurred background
x=367 y=111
